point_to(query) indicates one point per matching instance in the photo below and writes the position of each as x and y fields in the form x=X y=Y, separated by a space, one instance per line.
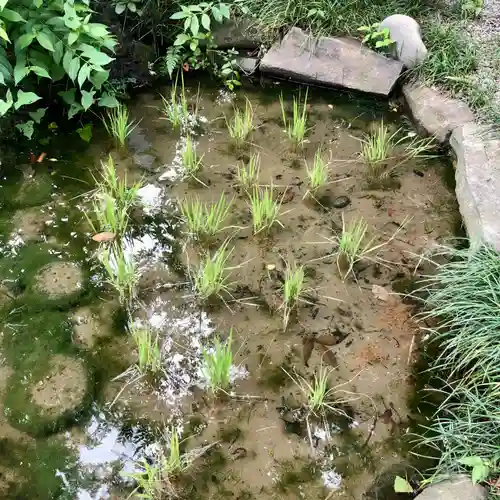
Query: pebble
x=341 y=201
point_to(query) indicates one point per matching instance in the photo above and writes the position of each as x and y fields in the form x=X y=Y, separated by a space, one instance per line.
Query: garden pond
x=70 y=425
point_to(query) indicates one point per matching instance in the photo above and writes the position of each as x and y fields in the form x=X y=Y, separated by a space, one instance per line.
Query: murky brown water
x=262 y=448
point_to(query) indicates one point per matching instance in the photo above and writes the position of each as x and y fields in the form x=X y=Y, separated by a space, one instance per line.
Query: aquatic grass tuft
x=241 y=125
x=295 y=128
x=217 y=362
x=210 y=278
x=148 y=349
x=318 y=174
x=191 y=162
x=293 y=289
x=377 y=146
x=247 y=175
x=265 y=209
x=175 y=109
x=118 y=124
x=205 y=220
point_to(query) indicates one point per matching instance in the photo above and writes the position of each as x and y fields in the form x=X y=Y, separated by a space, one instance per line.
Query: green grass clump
x=148 y=349
x=217 y=362
x=247 y=176
x=318 y=174
x=118 y=124
x=191 y=162
x=241 y=125
x=295 y=128
x=265 y=209
x=175 y=109
x=293 y=289
x=204 y=221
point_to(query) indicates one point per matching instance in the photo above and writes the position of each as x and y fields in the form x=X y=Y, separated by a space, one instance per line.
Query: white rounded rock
x=405 y=32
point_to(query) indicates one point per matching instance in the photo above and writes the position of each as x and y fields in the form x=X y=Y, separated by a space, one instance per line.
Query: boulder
x=331 y=62
x=457 y=488
x=405 y=31
x=437 y=114
x=477 y=176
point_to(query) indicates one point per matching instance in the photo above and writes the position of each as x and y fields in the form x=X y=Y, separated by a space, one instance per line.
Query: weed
x=149 y=355
x=293 y=289
x=175 y=109
x=217 y=362
x=265 y=209
x=150 y=480
x=241 y=125
x=318 y=175
x=118 y=124
x=248 y=175
x=295 y=128
x=191 y=162
x=204 y=221
x=212 y=275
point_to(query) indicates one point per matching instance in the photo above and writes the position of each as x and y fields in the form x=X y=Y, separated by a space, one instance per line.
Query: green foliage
x=118 y=124
x=470 y=9
x=217 y=363
x=481 y=467
x=296 y=128
x=375 y=38
x=132 y=6
x=401 y=485
x=53 y=40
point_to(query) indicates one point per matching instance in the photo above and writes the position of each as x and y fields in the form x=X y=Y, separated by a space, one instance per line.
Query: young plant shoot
x=217 y=362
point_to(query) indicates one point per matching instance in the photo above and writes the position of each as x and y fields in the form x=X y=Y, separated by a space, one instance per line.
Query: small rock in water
x=341 y=201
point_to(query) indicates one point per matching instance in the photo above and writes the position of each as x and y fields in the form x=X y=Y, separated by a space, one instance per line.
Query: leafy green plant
x=52 y=40
x=132 y=6
x=295 y=128
x=481 y=467
x=119 y=125
x=376 y=38
x=241 y=125
x=247 y=176
x=265 y=209
x=471 y=9
x=217 y=362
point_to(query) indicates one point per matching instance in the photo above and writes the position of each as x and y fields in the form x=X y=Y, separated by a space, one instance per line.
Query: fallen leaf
x=329 y=356
x=326 y=339
x=103 y=237
x=380 y=292
x=307 y=348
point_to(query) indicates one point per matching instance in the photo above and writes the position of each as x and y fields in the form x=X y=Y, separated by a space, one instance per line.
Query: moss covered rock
x=58 y=280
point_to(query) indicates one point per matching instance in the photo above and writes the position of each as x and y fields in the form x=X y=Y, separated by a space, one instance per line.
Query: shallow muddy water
x=69 y=426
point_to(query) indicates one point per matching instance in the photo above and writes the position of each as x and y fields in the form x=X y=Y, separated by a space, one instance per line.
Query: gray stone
x=405 y=32
x=333 y=62
x=435 y=113
x=237 y=34
x=457 y=488
x=477 y=176
x=247 y=65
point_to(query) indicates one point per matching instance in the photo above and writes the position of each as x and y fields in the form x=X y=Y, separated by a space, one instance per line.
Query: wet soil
x=59 y=279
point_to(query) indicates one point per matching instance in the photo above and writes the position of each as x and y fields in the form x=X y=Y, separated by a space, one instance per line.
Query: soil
x=63 y=388
x=89 y=325
x=59 y=279
x=30 y=223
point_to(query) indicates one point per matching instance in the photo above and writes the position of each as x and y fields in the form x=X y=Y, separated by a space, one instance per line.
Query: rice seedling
x=211 y=277
x=148 y=349
x=241 y=125
x=217 y=362
x=176 y=109
x=205 y=220
x=151 y=483
x=247 y=175
x=378 y=145
x=265 y=209
x=118 y=124
x=295 y=128
x=293 y=289
x=317 y=175
x=191 y=162
x=121 y=272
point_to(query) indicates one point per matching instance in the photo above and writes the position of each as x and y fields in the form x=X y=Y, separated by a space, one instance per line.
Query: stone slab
x=457 y=488
x=332 y=62
x=435 y=113
x=247 y=65
x=477 y=176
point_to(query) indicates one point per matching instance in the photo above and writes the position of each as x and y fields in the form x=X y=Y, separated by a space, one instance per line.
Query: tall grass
x=296 y=127
x=118 y=124
x=265 y=209
x=205 y=220
x=176 y=109
x=293 y=289
x=247 y=176
x=148 y=349
x=241 y=125
x=217 y=362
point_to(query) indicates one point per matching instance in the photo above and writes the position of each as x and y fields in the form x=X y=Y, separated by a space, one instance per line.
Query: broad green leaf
x=6 y=105
x=224 y=10
x=24 y=41
x=120 y=8
x=83 y=74
x=131 y=7
x=195 y=25
x=6 y=74
x=98 y=78
x=3 y=35
x=180 y=15
x=73 y=37
x=401 y=485
x=181 y=39
x=26 y=128
x=108 y=101
x=12 y=16
x=195 y=8
x=96 y=56
x=480 y=473
x=37 y=3
x=71 y=19
x=58 y=51
x=38 y=114
x=2 y=79
x=87 y=99
x=193 y=45
x=25 y=98
x=205 y=21
x=68 y=57
x=85 y=132
x=3 y=3
x=470 y=461
x=20 y=71
x=68 y=96
x=98 y=30
x=41 y=72
x=44 y=40
x=216 y=13
x=73 y=68
x=74 y=109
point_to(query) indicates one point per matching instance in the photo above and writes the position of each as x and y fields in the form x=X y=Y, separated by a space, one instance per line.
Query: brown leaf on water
x=328 y=355
x=380 y=292
x=326 y=339
x=104 y=236
x=307 y=348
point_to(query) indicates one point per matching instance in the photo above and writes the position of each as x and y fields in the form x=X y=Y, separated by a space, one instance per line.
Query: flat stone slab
x=457 y=488
x=477 y=176
x=247 y=65
x=438 y=115
x=332 y=62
